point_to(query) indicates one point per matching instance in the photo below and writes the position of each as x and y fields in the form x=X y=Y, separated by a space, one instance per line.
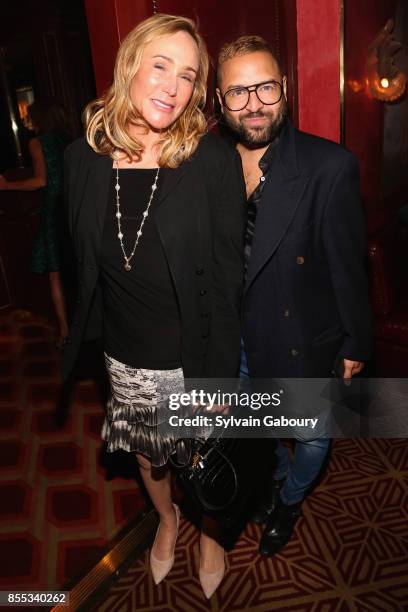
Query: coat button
x=90 y=268
x=300 y=260
x=294 y=352
x=206 y=335
x=199 y=271
x=205 y=315
x=286 y=313
x=203 y=292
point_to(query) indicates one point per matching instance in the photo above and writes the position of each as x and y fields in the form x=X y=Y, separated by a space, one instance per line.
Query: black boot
x=267 y=505
x=279 y=528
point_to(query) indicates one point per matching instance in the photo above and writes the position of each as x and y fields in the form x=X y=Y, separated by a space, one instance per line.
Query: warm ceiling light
x=385 y=83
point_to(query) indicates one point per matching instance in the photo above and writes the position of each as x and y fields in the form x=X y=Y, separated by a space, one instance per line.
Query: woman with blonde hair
x=155 y=209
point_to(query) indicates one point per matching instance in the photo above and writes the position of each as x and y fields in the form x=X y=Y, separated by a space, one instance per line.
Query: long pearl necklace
x=144 y=217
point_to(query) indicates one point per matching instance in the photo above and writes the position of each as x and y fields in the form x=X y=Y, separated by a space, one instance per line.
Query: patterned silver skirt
x=136 y=409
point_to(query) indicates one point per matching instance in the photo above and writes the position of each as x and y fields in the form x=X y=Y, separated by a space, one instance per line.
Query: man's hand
x=218 y=408
x=352 y=367
x=206 y=409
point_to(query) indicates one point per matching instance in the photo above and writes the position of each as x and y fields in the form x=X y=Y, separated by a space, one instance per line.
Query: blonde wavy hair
x=107 y=118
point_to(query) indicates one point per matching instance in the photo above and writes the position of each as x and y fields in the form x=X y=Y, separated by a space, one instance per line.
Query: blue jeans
x=301 y=471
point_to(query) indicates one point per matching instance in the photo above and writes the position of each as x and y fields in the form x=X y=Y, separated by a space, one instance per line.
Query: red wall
x=108 y=23
x=318 y=31
x=318 y=39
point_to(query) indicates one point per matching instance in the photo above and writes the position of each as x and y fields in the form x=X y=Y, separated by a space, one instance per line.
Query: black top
x=141 y=316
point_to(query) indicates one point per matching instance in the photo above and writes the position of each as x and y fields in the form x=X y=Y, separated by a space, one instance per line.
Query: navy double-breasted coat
x=306 y=296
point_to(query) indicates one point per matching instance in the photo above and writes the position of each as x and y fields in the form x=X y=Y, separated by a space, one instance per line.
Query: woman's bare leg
x=211 y=552
x=158 y=485
x=58 y=299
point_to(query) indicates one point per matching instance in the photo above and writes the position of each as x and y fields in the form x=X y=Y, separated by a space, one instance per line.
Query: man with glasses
x=306 y=302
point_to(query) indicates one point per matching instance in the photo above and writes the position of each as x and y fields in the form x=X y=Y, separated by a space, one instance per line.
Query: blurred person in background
x=47 y=155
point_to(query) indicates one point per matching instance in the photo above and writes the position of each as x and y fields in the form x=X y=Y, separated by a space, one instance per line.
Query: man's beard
x=256 y=138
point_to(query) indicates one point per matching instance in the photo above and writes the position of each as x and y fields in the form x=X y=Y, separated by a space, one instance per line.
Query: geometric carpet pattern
x=349 y=550
x=58 y=508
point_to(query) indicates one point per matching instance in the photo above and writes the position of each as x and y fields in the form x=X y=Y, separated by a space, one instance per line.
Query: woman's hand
x=3 y=183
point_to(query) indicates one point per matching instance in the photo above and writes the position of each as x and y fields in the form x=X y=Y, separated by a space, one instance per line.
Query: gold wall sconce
x=385 y=81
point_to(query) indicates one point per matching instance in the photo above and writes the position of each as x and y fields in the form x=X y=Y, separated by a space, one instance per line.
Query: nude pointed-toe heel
x=210 y=581
x=160 y=568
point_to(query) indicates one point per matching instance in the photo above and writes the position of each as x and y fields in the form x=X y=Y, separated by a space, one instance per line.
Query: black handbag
x=221 y=473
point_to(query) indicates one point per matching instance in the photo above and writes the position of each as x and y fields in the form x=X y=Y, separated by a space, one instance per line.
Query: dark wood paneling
x=5 y=297
x=19 y=215
x=364 y=114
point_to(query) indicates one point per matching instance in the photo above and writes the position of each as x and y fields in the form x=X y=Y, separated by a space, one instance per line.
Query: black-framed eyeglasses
x=268 y=92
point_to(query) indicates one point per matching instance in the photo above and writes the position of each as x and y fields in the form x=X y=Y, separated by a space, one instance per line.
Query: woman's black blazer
x=200 y=219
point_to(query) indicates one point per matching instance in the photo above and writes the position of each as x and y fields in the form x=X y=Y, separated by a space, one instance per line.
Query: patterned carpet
x=60 y=505
x=349 y=552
